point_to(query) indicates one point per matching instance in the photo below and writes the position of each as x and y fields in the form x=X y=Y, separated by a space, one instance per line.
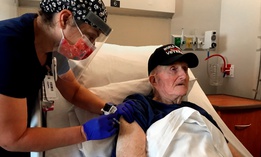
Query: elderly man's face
x=172 y=81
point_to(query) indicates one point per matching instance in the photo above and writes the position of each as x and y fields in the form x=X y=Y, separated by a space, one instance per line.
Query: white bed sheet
x=115 y=72
x=185 y=132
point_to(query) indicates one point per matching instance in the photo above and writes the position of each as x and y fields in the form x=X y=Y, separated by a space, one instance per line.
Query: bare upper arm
x=13 y=119
x=65 y=82
x=131 y=140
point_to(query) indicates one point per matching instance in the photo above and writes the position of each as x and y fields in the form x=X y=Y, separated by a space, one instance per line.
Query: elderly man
x=197 y=135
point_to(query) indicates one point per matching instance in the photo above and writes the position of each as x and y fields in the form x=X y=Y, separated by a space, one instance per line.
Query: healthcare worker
x=34 y=56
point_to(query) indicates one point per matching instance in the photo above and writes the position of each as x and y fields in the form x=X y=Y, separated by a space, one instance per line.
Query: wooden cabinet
x=243 y=118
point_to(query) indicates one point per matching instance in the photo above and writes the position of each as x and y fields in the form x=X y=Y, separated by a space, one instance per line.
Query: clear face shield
x=91 y=40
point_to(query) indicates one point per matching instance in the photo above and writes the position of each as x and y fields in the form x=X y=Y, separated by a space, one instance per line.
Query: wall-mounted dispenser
x=176 y=40
x=199 y=42
x=194 y=42
x=210 y=40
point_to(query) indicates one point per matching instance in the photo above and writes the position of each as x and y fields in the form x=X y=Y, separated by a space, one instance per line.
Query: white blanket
x=184 y=132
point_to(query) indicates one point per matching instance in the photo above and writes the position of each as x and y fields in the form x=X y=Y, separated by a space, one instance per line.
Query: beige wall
x=134 y=30
x=22 y=10
x=8 y=9
x=239 y=28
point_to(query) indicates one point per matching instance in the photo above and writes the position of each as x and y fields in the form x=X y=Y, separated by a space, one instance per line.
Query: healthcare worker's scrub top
x=21 y=73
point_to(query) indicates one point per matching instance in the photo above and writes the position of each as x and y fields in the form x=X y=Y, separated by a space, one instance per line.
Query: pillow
x=114 y=63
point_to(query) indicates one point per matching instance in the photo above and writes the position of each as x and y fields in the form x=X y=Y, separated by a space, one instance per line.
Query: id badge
x=48 y=93
x=50 y=88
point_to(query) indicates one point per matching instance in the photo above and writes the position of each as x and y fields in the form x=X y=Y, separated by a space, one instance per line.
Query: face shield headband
x=98 y=22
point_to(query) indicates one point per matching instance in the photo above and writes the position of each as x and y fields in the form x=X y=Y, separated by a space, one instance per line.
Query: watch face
x=107 y=107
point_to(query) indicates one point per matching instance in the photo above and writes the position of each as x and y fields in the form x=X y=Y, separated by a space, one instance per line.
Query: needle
x=115 y=120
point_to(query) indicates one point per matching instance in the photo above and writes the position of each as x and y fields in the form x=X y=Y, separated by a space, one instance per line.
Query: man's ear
x=152 y=79
x=65 y=17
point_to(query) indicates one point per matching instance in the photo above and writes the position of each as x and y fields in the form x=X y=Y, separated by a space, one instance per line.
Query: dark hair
x=47 y=17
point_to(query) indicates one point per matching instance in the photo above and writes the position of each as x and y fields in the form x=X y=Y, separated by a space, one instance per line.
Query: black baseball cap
x=169 y=54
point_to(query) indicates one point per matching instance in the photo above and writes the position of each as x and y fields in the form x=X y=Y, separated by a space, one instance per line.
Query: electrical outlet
x=231 y=71
x=115 y=3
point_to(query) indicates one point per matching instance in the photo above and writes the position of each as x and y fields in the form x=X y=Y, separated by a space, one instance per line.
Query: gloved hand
x=101 y=127
x=125 y=109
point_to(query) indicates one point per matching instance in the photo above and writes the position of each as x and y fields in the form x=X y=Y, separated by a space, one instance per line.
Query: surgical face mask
x=90 y=50
x=78 y=51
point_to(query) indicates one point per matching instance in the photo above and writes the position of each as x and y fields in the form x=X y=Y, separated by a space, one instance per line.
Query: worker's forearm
x=87 y=100
x=41 y=139
x=78 y=94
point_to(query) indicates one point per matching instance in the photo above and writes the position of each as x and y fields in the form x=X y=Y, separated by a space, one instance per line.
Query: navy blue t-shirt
x=148 y=111
x=21 y=73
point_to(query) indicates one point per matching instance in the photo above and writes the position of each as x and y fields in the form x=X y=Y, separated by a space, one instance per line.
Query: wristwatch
x=109 y=108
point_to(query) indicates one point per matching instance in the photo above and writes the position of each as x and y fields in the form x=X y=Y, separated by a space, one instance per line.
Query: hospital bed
x=115 y=72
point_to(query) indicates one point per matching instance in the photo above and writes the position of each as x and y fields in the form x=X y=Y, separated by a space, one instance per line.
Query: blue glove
x=101 y=127
x=125 y=109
